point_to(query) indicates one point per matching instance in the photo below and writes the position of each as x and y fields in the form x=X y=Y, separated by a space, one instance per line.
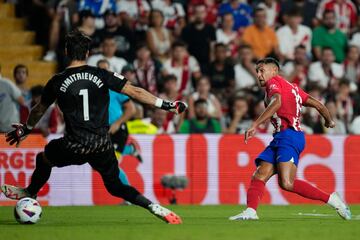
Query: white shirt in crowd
x=288 y=40
x=271 y=12
x=171 y=12
x=116 y=63
x=131 y=7
x=178 y=71
x=243 y=78
x=317 y=74
x=355 y=40
x=221 y=37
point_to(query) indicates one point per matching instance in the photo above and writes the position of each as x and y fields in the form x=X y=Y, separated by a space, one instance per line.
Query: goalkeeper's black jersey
x=82 y=94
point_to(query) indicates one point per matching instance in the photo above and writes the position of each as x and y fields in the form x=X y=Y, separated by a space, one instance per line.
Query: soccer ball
x=27 y=211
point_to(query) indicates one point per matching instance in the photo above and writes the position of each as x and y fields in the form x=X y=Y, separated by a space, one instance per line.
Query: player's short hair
x=77 y=45
x=170 y=77
x=37 y=90
x=328 y=11
x=219 y=45
x=301 y=46
x=19 y=66
x=102 y=61
x=294 y=12
x=178 y=44
x=141 y=45
x=200 y=101
x=269 y=60
x=326 y=49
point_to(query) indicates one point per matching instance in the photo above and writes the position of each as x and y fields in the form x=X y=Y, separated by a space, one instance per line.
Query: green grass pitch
x=200 y=222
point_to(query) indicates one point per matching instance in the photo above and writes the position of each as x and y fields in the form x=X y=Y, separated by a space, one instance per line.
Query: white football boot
x=247 y=214
x=339 y=205
x=15 y=193
x=164 y=214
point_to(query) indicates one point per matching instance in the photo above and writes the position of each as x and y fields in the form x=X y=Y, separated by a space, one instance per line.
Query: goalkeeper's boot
x=247 y=214
x=340 y=206
x=164 y=214
x=15 y=193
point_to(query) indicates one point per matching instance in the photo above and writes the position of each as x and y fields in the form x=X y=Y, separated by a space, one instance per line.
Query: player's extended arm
x=22 y=130
x=270 y=110
x=314 y=103
x=145 y=97
x=129 y=111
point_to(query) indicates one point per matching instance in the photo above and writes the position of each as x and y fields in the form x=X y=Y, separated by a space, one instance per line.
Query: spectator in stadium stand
x=221 y=72
x=257 y=109
x=245 y=72
x=63 y=18
x=97 y=8
x=147 y=70
x=326 y=72
x=158 y=37
x=307 y=7
x=340 y=125
x=200 y=38
x=123 y=35
x=255 y=34
x=296 y=71
x=293 y=34
x=108 y=47
x=128 y=72
x=135 y=15
x=174 y=14
x=241 y=11
x=87 y=23
x=183 y=66
x=344 y=103
x=21 y=74
x=237 y=120
x=327 y=35
x=201 y=123
x=345 y=13
x=159 y=120
x=10 y=98
x=203 y=91
x=311 y=117
x=171 y=93
x=272 y=8
x=227 y=35
x=211 y=10
x=352 y=67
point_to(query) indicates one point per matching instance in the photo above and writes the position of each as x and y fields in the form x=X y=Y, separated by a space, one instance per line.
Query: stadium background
x=218 y=165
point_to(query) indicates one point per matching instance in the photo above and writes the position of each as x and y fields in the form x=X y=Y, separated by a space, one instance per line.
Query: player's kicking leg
x=107 y=166
x=39 y=178
x=287 y=181
x=255 y=192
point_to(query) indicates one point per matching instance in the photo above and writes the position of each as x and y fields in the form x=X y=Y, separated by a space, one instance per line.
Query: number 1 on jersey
x=85 y=95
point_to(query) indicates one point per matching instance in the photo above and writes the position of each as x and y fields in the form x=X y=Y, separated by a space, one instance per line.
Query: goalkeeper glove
x=18 y=134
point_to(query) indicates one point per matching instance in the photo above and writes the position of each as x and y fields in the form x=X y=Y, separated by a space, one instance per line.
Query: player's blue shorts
x=286 y=146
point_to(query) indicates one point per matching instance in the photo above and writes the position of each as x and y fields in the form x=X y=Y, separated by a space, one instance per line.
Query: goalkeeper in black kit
x=82 y=93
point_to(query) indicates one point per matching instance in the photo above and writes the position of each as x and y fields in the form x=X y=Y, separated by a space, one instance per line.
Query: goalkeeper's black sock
x=128 y=193
x=40 y=176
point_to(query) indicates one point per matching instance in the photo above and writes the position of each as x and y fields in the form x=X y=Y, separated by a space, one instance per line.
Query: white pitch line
x=354 y=217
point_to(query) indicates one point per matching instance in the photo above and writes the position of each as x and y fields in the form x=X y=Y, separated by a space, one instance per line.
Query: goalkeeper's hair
x=77 y=45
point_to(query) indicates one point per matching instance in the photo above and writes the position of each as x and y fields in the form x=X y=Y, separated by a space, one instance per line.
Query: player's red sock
x=307 y=190
x=255 y=193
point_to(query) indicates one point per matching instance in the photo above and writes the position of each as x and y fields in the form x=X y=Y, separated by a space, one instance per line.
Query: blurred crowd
x=203 y=52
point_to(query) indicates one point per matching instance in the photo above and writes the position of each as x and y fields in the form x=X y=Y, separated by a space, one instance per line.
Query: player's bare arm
x=274 y=105
x=324 y=112
x=145 y=97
